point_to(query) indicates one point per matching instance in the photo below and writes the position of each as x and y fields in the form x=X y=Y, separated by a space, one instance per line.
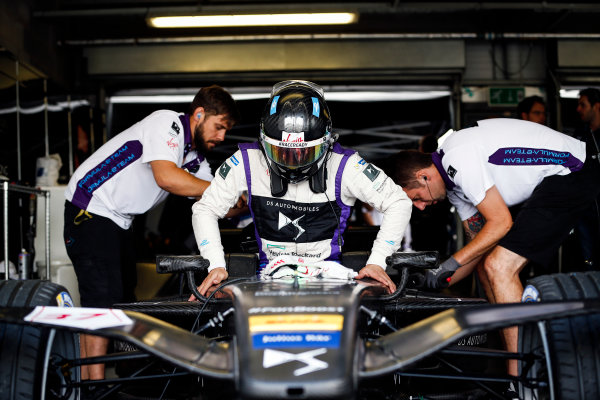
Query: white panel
x=525 y=60
x=276 y=56
x=579 y=53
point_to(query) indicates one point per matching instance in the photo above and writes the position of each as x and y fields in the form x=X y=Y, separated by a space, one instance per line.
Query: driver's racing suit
x=301 y=223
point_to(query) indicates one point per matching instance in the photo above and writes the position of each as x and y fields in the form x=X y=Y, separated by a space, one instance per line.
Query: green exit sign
x=505 y=96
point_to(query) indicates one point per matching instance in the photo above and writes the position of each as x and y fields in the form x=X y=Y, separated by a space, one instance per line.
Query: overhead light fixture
x=211 y=21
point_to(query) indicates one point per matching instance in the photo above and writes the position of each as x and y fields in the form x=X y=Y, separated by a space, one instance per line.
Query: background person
x=130 y=174
x=300 y=204
x=486 y=169
x=532 y=108
x=588 y=227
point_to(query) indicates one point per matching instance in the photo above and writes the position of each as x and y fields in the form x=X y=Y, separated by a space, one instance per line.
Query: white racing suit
x=301 y=223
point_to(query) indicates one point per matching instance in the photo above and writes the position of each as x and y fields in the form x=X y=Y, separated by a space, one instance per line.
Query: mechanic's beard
x=199 y=143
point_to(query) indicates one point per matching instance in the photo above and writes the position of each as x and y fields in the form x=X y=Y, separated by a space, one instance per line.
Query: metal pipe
x=46 y=139
x=17 y=107
x=332 y=36
x=47 y=203
x=366 y=7
x=29 y=190
x=92 y=134
x=70 y=135
x=5 y=215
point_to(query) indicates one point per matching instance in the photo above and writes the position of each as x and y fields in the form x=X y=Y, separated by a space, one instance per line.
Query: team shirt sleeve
x=162 y=137
x=222 y=194
x=471 y=177
x=366 y=182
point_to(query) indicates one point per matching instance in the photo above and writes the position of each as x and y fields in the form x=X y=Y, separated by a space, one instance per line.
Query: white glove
x=288 y=266
x=333 y=270
x=290 y=262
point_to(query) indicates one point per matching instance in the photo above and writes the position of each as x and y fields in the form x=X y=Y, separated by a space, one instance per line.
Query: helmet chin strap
x=318 y=181
x=279 y=185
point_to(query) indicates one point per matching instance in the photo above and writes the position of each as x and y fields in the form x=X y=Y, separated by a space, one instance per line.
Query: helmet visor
x=294 y=155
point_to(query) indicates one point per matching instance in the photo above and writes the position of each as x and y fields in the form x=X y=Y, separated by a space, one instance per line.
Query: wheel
x=27 y=352
x=568 y=347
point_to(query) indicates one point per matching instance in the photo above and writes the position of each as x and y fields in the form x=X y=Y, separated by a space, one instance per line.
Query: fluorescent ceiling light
x=209 y=21
x=176 y=98
x=358 y=96
x=386 y=96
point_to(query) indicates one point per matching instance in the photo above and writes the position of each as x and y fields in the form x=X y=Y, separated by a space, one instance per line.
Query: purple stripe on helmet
x=525 y=156
x=244 y=149
x=107 y=169
x=346 y=210
x=436 y=157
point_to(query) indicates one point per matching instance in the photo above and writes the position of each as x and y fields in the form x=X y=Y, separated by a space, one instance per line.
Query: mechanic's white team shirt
x=116 y=181
x=513 y=155
x=301 y=223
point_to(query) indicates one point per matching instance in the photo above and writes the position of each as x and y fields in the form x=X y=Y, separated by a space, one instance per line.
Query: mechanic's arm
x=496 y=223
x=485 y=229
x=472 y=226
x=170 y=177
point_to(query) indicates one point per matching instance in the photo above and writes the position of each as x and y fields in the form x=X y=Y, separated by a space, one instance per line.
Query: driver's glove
x=440 y=277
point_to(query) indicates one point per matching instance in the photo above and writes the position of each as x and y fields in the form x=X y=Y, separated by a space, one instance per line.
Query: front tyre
x=28 y=353
x=568 y=347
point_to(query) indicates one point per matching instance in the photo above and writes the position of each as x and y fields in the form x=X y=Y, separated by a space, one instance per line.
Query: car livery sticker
x=76 y=317
x=273 y=358
x=530 y=295
x=295 y=330
x=296 y=339
x=63 y=299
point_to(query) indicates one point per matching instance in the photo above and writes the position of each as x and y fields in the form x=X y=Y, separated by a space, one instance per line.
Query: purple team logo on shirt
x=102 y=172
x=527 y=156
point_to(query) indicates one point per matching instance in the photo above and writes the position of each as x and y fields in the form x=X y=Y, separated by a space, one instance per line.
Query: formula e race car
x=297 y=338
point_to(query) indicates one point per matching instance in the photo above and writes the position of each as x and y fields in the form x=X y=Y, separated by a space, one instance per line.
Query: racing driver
x=300 y=185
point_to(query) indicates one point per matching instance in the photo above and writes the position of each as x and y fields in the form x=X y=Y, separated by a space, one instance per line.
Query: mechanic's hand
x=440 y=277
x=376 y=272
x=214 y=277
x=241 y=202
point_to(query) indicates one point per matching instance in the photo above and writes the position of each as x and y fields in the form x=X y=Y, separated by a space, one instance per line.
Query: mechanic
x=532 y=108
x=486 y=169
x=301 y=186
x=130 y=174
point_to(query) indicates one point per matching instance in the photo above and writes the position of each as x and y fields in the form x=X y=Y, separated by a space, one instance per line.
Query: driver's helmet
x=295 y=130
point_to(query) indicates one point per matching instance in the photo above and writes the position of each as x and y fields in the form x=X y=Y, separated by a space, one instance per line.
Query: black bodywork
x=316 y=339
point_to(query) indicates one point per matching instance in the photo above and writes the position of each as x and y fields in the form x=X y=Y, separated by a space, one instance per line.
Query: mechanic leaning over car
x=300 y=185
x=130 y=174
x=486 y=169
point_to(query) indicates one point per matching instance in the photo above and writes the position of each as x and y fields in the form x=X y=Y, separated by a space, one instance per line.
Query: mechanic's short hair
x=592 y=94
x=527 y=103
x=428 y=143
x=404 y=165
x=216 y=101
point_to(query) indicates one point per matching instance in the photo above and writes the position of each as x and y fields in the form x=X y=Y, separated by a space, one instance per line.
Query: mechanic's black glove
x=438 y=278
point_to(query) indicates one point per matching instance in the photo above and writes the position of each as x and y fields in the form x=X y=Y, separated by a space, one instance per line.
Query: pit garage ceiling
x=86 y=43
